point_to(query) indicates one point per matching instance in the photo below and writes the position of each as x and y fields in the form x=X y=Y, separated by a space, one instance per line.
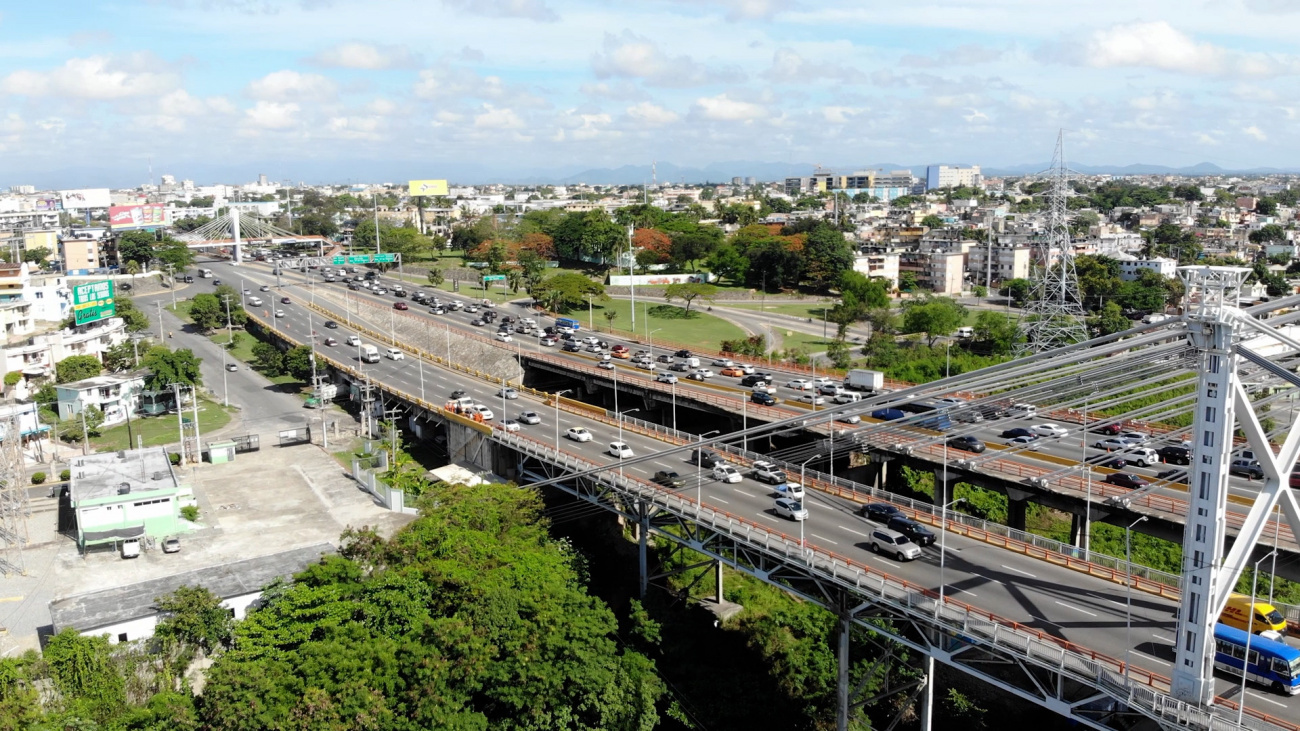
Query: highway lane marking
x=1077 y=609
x=720 y=500
x=742 y=492
x=1266 y=699
x=823 y=538
x=1156 y=659
x=1162 y=638
x=1018 y=571
x=850 y=530
x=951 y=589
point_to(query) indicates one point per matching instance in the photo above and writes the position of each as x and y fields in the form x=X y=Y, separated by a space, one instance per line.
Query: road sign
x=338 y=260
x=359 y=259
x=385 y=258
x=494 y=277
x=93 y=302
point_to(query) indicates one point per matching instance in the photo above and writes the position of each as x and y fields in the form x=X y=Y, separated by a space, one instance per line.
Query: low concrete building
x=1131 y=267
x=36 y=357
x=128 y=613
x=883 y=264
x=1000 y=262
x=117 y=395
x=129 y=494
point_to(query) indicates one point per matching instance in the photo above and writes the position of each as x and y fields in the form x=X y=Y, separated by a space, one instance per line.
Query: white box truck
x=860 y=379
x=369 y=354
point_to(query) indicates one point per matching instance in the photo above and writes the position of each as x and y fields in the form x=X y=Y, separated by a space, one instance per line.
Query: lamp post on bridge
x=1128 y=599
x=1087 y=479
x=803 y=485
x=699 y=469
x=621 y=444
x=1250 y=632
x=943 y=547
x=558 y=394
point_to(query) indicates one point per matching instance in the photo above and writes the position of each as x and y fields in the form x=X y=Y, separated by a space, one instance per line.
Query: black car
x=458 y=393
x=967 y=443
x=1175 y=454
x=760 y=397
x=1124 y=479
x=189 y=279
x=1174 y=476
x=331 y=324
x=1114 y=463
x=880 y=512
x=572 y=346
x=683 y=354
x=705 y=458
x=915 y=532
x=668 y=478
x=216 y=282
x=1019 y=431
x=751 y=381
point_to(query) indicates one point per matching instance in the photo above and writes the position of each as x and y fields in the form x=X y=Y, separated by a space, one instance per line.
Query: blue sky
x=356 y=90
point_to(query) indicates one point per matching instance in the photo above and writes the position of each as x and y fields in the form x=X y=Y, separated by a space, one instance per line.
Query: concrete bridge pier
x=1017 y=507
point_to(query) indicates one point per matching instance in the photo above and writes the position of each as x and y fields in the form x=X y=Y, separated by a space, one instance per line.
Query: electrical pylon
x=1054 y=316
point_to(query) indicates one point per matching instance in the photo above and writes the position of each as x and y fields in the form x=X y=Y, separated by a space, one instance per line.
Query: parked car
x=915 y=532
x=1049 y=430
x=1125 y=479
x=578 y=434
x=668 y=478
x=530 y=417
x=879 y=512
x=790 y=508
x=726 y=473
x=967 y=444
x=884 y=540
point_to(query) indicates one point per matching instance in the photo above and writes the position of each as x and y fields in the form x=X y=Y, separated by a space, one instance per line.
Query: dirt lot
x=263 y=502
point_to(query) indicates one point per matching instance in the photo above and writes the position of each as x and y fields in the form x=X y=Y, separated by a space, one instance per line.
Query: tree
x=82 y=669
x=773 y=265
x=207 y=312
x=76 y=368
x=136 y=320
x=175 y=254
x=610 y=316
x=934 y=316
x=828 y=255
x=997 y=331
x=689 y=291
x=171 y=366
x=533 y=267
x=691 y=246
x=907 y=281
x=74 y=428
x=564 y=292
x=932 y=221
x=297 y=362
x=269 y=359
x=514 y=279
x=1017 y=289
x=194 y=616
x=36 y=255
x=728 y=263
x=1268 y=234
x=1109 y=321
x=435 y=277
x=135 y=246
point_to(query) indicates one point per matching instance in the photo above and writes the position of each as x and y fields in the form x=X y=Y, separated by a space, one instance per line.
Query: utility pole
x=160 y=329
x=230 y=339
x=180 y=418
x=631 y=280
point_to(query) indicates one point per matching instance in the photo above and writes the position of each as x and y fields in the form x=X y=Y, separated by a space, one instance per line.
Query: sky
x=359 y=90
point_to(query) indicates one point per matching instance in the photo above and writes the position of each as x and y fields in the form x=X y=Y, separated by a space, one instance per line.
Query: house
x=129 y=612
x=117 y=395
x=129 y=494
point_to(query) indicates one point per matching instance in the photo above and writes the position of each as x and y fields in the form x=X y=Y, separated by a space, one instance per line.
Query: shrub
x=65 y=475
x=175 y=458
x=190 y=513
x=13 y=377
x=38 y=478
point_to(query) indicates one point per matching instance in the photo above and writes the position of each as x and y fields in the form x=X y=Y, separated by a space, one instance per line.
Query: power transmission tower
x=1054 y=315
x=14 y=507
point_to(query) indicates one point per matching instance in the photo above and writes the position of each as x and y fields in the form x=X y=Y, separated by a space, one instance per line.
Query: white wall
x=143 y=627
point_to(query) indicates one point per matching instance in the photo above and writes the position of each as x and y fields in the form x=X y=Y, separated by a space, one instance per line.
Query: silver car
x=884 y=540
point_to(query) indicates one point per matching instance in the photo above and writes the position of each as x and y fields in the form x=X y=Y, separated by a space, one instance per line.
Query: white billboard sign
x=85 y=198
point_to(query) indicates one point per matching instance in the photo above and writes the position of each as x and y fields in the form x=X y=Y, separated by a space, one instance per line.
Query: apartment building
x=951 y=176
x=878 y=263
x=1131 y=267
x=1003 y=260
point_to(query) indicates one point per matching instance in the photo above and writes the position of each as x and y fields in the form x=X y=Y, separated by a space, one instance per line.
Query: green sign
x=366 y=259
x=494 y=277
x=385 y=258
x=338 y=260
x=93 y=302
x=359 y=259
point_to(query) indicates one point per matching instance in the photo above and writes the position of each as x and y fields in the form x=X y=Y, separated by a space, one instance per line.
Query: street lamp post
x=558 y=394
x=1128 y=599
x=649 y=336
x=674 y=385
x=699 y=469
x=1250 y=632
x=1087 y=479
x=947 y=359
x=803 y=484
x=943 y=544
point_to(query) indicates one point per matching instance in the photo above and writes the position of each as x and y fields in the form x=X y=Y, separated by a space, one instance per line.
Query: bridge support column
x=927 y=699
x=1076 y=530
x=1017 y=504
x=943 y=488
x=643 y=535
x=718 y=591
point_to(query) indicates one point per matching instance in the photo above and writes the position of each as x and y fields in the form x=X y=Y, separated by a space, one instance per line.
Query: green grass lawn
x=160 y=430
x=243 y=349
x=701 y=331
x=805 y=309
x=182 y=310
x=810 y=343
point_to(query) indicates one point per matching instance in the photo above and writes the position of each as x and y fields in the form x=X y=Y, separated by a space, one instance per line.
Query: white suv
x=726 y=473
x=800 y=384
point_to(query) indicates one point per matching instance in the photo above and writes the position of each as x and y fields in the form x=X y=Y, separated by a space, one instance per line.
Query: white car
x=279 y=313
x=530 y=417
x=508 y=393
x=607 y=365
x=1022 y=411
x=510 y=425
x=1049 y=430
x=483 y=411
x=746 y=369
x=790 y=508
x=763 y=388
x=702 y=374
x=800 y=384
x=822 y=381
x=232 y=367
x=353 y=340
x=548 y=342
x=1134 y=437
x=578 y=434
x=812 y=398
x=646 y=365
x=395 y=354
x=502 y=338
x=724 y=362
x=951 y=400
x=620 y=450
x=591 y=340
x=666 y=378
x=726 y=473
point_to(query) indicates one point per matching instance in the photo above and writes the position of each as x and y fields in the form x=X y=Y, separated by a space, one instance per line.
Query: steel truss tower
x=1054 y=315
x=14 y=506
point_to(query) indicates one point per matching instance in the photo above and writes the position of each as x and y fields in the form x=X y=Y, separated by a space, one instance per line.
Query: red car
x=400 y=306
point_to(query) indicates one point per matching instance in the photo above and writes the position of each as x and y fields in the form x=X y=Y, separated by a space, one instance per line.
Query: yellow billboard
x=427 y=187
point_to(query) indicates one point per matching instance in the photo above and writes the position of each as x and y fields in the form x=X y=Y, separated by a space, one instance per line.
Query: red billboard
x=149 y=214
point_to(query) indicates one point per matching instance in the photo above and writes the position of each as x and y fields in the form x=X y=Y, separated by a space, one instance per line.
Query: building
x=128 y=612
x=1131 y=267
x=1000 y=262
x=50 y=297
x=945 y=272
x=950 y=176
x=36 y=356
x=882 y=264
x=117 y=395
x=134 y=493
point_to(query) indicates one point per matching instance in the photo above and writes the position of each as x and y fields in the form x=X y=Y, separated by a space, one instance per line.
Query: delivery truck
x=860 y=379
x=369 y=354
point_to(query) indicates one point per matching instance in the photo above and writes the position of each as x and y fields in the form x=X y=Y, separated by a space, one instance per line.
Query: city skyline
x=530 y=89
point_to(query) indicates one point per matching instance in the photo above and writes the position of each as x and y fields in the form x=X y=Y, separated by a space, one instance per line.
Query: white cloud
x=1255 y=132
x=498 y=118
x=723 y=108
x=366 y=56
x=788 y=67
x=527 y=9
x=282 y=85
x=271 y=116
x=975 y=116
x=94 y=77
x=582 y=127
x=354 y=127
x=652 y=115
x=1159 y=45
x=632 y=56
x=964 y=55
x=738 y=10
x=840 y=115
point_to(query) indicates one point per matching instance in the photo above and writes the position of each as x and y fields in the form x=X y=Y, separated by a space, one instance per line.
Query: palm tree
x=610 y=316
x=515 y=278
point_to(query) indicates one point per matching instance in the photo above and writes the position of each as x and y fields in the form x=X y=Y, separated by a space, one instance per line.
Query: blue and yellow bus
x=1271 y=662
x=568 y=322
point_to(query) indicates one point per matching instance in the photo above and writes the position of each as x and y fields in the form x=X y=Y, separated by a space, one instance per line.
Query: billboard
x=93 y=302
x=427 y=187
x=49 y=204
x=149 y=214
x=84 y=198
